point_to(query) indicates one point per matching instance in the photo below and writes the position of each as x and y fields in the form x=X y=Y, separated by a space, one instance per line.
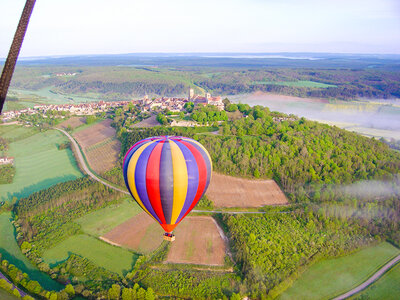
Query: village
x=173 y=104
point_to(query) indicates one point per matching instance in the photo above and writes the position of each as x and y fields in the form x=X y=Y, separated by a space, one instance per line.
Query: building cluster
x=75 y=109
x=170 y=103
x=177 y=104
x=6 y=160
x=65 y=74
x=89 y=108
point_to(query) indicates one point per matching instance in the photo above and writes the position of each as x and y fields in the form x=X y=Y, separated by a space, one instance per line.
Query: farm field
x=10 y=251
x=387 y=287
x=228 y=191
x=140 y=233
x=102 y=221
x=332 y=277
x=14 y=133
x=73 y=122
x=100 y=145
x=197 y=242
x=149 y=122
x=112 y=258
x=6 y=295
x=38 y=162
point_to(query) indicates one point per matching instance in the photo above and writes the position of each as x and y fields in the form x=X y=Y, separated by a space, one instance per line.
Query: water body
x=374 y=118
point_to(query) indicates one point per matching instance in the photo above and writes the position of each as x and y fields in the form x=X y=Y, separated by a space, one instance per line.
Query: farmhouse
x=6 y=160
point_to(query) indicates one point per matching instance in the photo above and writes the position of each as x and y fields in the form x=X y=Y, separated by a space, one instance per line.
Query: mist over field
x=349 y=115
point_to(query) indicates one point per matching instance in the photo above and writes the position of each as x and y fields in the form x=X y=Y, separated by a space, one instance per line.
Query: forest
x=116 y=83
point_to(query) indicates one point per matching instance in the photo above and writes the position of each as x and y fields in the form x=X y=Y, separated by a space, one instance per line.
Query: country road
x=370 y=280
x=356 y=290
x=85 y=167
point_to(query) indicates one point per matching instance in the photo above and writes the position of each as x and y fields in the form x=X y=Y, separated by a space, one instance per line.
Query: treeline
x=350 y=83
x=33 y=287
x=270 y=248
x=208 y=114
x=190 y=283
x=45 y=218
x=122 y=89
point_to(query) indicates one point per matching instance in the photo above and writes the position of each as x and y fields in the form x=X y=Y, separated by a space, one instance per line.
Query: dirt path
x=371 y=280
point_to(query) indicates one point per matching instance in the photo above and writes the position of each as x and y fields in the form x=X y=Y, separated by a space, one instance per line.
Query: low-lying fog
x=379 y=118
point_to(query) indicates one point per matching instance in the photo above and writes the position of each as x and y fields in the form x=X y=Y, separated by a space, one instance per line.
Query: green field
x=300 y=83
x=102 y=221
x=331 y=277
x=387 y=287
x=10 y=251
x=39 y=164
x=112 y=258
x=14 y=133
x=4 y=295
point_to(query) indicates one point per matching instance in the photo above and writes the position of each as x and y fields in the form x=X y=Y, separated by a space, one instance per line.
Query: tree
x=232 y=107
x=114 y=292
x=70 y=290
x=90 y=119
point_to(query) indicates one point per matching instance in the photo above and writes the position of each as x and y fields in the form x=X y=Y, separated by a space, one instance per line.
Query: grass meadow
x=112 y=258
x=38 y=162
x=332 y=277
x=387 y=287
x=102 y=221
x=10 y=251
x=6 y=295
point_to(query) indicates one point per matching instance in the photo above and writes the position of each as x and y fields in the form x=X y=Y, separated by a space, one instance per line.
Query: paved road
x=371 y=280
x=21 y=292
x=84 y=166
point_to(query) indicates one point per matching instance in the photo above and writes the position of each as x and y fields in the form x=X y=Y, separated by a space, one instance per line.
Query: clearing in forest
x=140 y=233
x=197 y=242
x=228 y=191
x=100 y=145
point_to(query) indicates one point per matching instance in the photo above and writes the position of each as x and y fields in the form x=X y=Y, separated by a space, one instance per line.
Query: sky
x=73 y=27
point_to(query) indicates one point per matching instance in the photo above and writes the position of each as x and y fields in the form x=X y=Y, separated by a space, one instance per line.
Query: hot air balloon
x=167 y=176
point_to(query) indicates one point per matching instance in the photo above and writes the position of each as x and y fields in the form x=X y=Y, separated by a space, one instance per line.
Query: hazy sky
x=127 y=26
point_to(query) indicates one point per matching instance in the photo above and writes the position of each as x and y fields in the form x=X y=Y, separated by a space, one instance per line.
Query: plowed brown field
x=140 y=233
x=73 y=122
x=197 y=242
x=228 y=191
x=100 y=146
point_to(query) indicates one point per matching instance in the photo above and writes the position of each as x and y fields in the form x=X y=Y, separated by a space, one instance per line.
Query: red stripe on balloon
x=202 y=175
x=153 y=180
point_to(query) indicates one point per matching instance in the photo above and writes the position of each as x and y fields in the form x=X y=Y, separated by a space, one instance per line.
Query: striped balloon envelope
x=167 y=176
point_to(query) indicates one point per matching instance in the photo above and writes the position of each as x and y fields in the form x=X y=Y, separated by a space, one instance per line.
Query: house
x=6 y=160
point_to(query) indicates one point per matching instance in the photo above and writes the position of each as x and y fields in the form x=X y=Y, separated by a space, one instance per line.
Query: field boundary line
x=370 y=280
